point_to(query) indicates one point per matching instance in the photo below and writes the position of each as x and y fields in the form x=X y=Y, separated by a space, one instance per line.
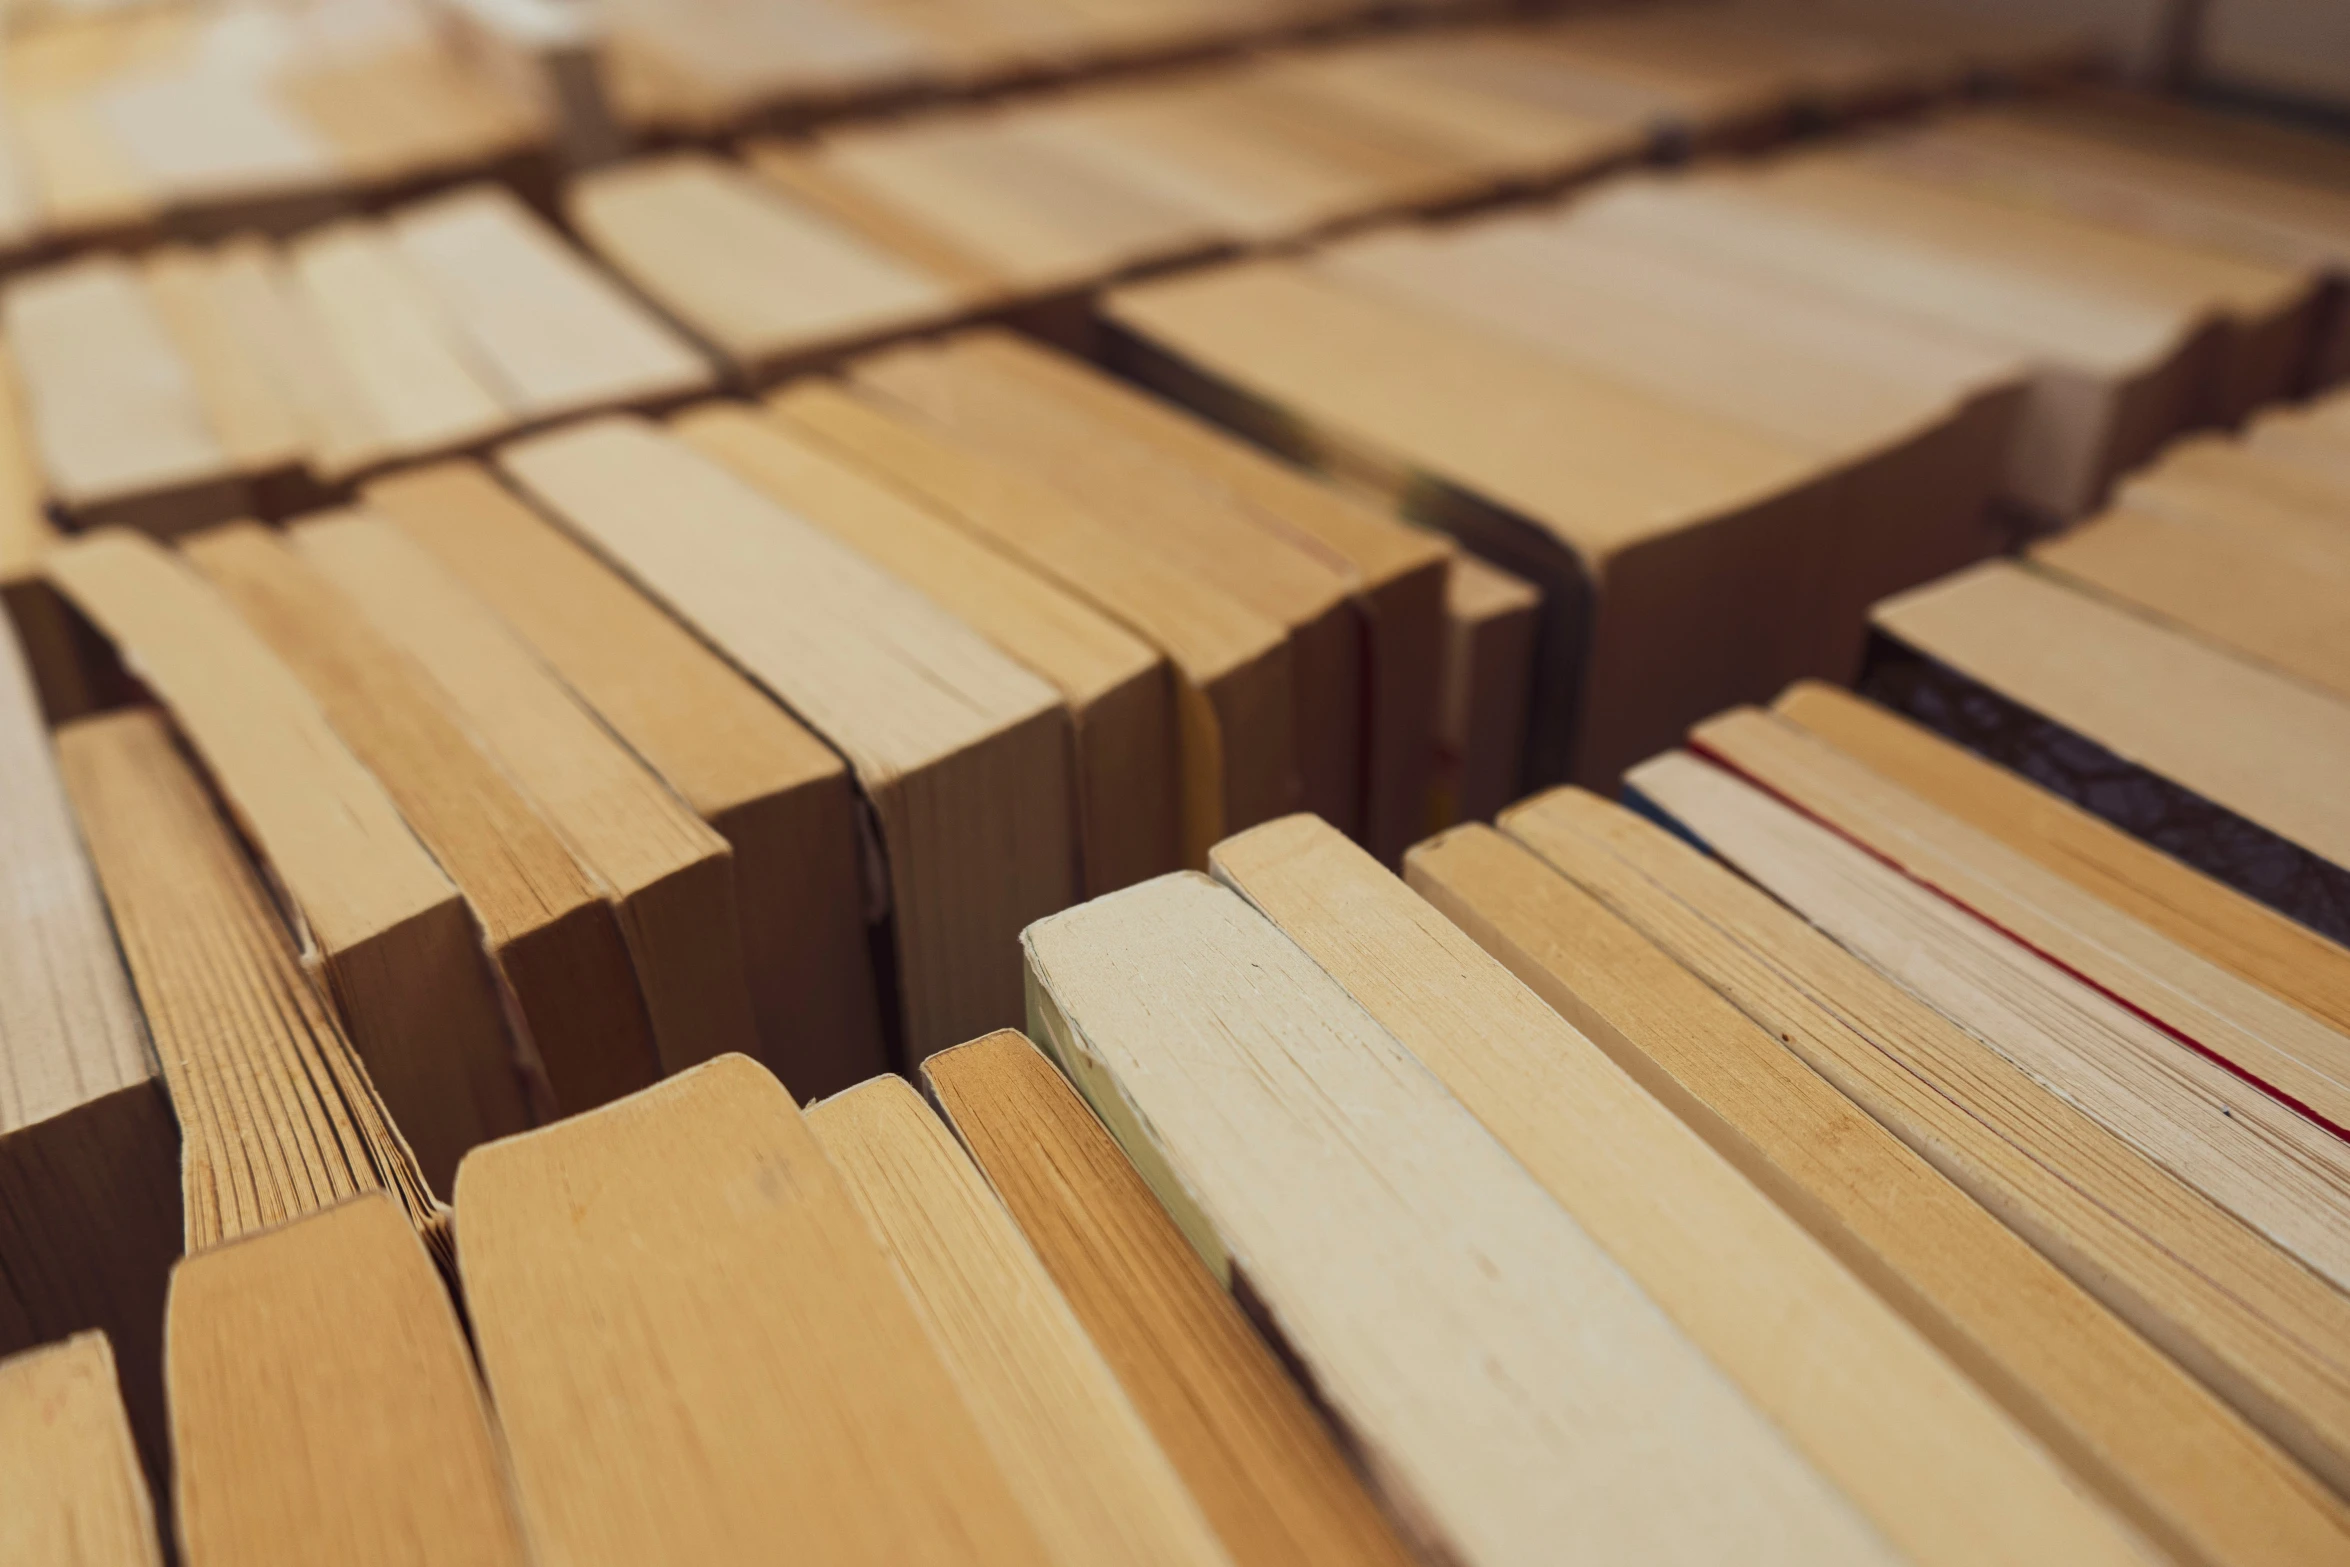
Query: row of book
x=1848 y=1149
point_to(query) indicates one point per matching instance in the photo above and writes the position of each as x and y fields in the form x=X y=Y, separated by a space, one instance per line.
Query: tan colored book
x=374 y=917
x=2277 y=1170
x=2285 y=958
x=553 y=941
x=1914 y=428
x=377 y=319
x=1234 y=708
x=2120 y=1415
x=323 y=1405
x=248 y=412
x=70 y=1488
x=1398 y=572
x=669 y=878
x=1085 y=1467
x=1491 y=622
x=559 y=336
x=89 y=1157
x=80 y=333
x=777 y=1382
x=961 y=753
x=277 y=1117
x=2247 y=739
x=2112 y=377
x=1633 y=515
x=1868 y=1401
x=782 y=801
x=272 y=317
x=1302 y=587
x=707 y=242
x=1117 y=688
x=45 y=635
x=1241 y=1436
x=1410 y=1266
x=2221 y=1021
x=2284 y=1303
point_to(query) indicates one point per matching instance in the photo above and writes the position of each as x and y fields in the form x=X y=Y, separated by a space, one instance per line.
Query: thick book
x=1660 y=989
x=962 y=754
x=1087 y=1470
x=70 y=1488
x=781 y=799
x=769 y=1379
x=1411 y=1267
x=375 y=917
x=1241 y=1435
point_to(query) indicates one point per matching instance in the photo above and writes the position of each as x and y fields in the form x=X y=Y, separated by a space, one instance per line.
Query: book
x=1116 y=688
x=376 y=919
x=70 y=1486
x=1397 y=573
x=1572 y=919
x=552 y=941
x=2228 y=1023
x=776 y=1381
x=1234 y=710
x=1634 y=548
x=323 y=1405
x=89 y=1157
x=781 y=799
x=47 y=639
x=669 y=878
x=1846 y=1377
x=2286 y=959
x=1086 y=1469
x=1302 y=588
x=278 y=1117
x=2227 y=759
x=2275 y=1169
x=259 y=433
x=1254 y=1454
x=1407 y=1263
x=962 y=755
x=78 y=333
x=706 y=240
x=1491 y=622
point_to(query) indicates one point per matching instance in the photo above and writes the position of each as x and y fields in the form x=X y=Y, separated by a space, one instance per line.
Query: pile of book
x=810 y=846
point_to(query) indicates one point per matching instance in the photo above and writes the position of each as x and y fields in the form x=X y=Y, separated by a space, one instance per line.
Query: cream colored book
x=273 y=319
x=2112 y=377
x=1397 y=571
x=2278 y=1172
x=2124 y=1418
x=80 y=335
x=554 y=942
x=1412 y=1268
x=1234 y=710
x=1491 y=619
x=1117 y=688
x=962 y=754
x=375 y=918
x=2283 y=957
x=669 y=878
x=2255 y=1326
x=1085 y=1467
x=708 y=243
x=2219 y=1020
x=773 y=1381
x=277 y=1116
x=783 y=802
x=1869 y=1401
x=558 y=335
x=244 y=405
x=70 y=1488
x=2248 y=740
x=324 y=1407
x=89 y=1157
x=1606 y=498
x=1303 y=588
x=1239 y=1432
